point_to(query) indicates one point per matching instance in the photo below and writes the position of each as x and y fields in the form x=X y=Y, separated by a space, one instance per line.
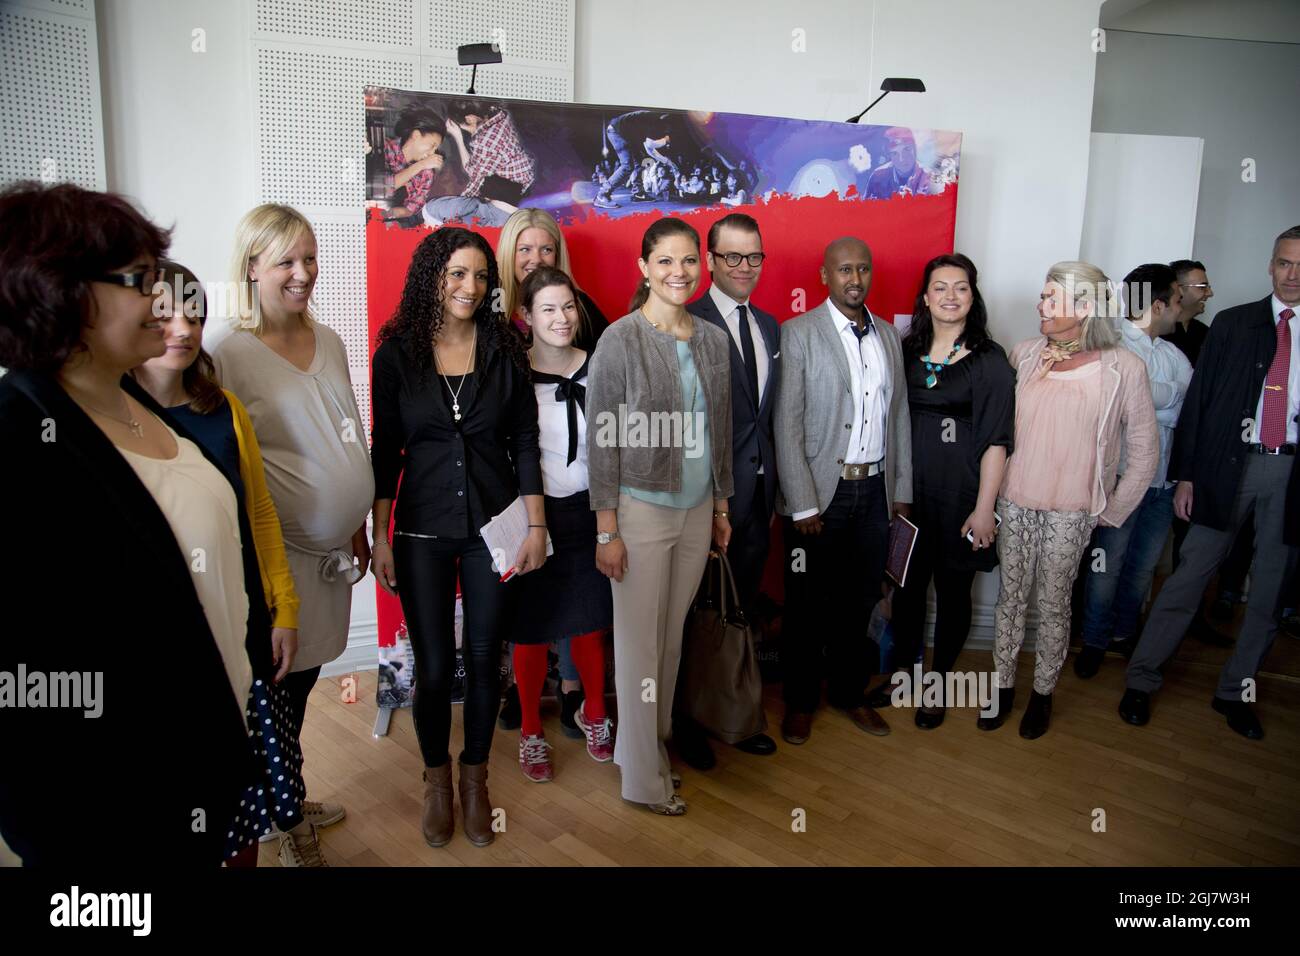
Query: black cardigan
x=455 y=476
x=99 y=583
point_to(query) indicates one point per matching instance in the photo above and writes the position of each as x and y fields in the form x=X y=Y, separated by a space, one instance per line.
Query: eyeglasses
x=755 y=259
x=142 y=280
x=1195 y=285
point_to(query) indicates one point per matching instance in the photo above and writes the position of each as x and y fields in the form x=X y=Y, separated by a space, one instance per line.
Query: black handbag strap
x=728 y=586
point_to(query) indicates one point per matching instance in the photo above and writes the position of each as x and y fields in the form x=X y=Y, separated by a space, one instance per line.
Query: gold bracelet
x=722 y=514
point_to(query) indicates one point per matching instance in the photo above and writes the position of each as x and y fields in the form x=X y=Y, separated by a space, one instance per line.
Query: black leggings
x=426 y=583
x=298 y=687
x=951 y=621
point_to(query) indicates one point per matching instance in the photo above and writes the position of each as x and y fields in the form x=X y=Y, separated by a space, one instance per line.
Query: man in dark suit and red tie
x=1235 y=449
x=735 y=260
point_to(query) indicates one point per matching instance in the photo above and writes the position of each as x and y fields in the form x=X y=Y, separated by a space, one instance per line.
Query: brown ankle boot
x=438 y=823
x=475 y=805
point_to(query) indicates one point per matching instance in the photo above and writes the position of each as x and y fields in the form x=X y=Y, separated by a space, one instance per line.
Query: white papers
x=505 y=535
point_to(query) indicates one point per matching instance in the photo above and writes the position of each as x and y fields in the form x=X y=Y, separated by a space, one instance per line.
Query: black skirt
x=568 y=595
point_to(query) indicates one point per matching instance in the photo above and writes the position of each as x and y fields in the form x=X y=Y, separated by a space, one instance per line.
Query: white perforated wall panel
x=311 y=121
x=515 y=83
x=340 y=295
x=50 y=113
x=73 y=8
x=539 y=32
x=364 y=24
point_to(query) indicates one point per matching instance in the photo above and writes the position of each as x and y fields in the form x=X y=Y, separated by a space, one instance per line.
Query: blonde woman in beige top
x=1079 y=399
x=291 y=373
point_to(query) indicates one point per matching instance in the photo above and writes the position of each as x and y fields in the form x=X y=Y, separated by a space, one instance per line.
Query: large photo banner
x=606 y=172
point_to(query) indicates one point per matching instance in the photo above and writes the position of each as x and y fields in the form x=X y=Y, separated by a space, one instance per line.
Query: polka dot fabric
x=276 y=795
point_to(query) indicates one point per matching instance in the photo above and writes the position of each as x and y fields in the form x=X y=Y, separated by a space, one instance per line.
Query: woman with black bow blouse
x=569 y=599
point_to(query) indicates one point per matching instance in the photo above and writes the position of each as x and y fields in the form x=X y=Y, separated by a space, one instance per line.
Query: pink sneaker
x=535 y=758
x=600 y=736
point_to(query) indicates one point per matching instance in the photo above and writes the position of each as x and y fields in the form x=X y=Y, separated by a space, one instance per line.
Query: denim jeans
x=464 y=209
x=625 y=162
x=1112 y=597
x=568 y=669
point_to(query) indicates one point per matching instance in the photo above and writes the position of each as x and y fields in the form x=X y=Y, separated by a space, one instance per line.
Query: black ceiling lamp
x=891 y=84
x=474 y=54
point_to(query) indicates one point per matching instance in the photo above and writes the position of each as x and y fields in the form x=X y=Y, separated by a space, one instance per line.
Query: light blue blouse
x=697 y=470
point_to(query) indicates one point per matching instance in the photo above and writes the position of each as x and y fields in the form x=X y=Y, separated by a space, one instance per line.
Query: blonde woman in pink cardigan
x=1081 y=400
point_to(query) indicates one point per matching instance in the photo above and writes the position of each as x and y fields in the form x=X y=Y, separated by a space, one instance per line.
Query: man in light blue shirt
x=1119 y=577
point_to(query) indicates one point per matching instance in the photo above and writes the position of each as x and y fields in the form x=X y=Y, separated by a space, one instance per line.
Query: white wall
x=178 y=125
x=1240 y=97
x=1119 y=231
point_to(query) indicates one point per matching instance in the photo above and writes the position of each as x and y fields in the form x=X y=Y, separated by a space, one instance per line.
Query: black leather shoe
x=1224 y=606
x=760 y=745
x=693 y=747
x=1088 y=661
x=1006 y=698
x=1241 y=717
x=928 y=719
x=1123 y=647
x=511 y=717
x=1038 y=715
x=1206 y=634
x=570 y=701
x=1135 y=707
x=881 y=697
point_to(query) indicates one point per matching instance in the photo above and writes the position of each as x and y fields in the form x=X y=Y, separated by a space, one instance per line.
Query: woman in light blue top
x=659 y=463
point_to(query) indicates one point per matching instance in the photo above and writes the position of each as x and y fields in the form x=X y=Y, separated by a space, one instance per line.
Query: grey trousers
x=667 y=549
x=1263 y=487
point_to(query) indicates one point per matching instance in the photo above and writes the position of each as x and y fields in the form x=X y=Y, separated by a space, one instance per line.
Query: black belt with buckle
x=1258 y=449
x=859 y=472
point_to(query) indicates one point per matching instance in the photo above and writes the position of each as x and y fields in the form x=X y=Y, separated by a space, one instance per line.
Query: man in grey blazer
x=735 y=260
x=844 y=457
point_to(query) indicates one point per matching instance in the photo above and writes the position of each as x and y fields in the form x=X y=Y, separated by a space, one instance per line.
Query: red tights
x=588 y=652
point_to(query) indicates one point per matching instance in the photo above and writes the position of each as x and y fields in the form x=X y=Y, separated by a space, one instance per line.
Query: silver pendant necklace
x=130 y=422
x=455 y=392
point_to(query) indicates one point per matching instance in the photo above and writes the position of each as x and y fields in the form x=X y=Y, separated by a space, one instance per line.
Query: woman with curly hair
x=455 y=418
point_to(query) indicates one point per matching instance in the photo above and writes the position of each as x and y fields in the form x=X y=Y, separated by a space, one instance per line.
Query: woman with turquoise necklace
x=961 y=393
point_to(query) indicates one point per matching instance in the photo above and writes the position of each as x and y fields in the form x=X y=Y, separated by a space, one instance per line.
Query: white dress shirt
x=729 y=309
x=1170 y=374
x=871 y=385
x=1292 y=379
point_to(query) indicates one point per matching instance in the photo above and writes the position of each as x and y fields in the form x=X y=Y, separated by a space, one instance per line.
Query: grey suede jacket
x=633 y=380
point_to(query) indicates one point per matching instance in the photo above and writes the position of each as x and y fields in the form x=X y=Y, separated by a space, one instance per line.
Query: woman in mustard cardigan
x=181 y=381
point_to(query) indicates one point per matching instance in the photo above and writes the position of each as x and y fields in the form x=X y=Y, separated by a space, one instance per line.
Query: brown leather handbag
x=722 y=686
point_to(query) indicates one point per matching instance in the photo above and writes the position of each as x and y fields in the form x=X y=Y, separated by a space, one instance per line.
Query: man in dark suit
x=1234 y=451
x=735 y=260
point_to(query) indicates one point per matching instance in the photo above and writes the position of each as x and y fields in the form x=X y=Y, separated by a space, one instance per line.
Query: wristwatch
x=605 y=537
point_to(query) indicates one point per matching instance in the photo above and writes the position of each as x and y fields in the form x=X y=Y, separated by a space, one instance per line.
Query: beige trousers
x=667 y=549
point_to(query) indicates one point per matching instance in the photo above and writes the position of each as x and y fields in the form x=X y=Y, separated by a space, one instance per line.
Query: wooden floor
x=1185 y=790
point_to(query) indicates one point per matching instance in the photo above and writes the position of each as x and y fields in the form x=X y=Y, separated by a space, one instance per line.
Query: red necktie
x=1276 y=401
